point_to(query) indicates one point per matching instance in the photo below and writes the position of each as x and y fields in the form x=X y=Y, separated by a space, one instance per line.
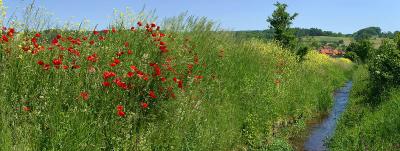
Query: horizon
x=347 y=20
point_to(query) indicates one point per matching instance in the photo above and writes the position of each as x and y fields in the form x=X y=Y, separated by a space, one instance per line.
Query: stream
x=323 y=131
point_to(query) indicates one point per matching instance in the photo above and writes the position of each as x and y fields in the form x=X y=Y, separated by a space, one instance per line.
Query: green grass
x=364 y=126
x=376 y=41
x=253 y=95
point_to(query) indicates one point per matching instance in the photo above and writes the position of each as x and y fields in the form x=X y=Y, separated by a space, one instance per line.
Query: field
x=376 y=41
x=144 y=88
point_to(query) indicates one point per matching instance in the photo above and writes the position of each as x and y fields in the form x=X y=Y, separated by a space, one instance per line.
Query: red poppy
x=163 y=48
x=95 y=32
x=119 y=54
x=144 y=105
x=65 y=67
x=121 y=113
x=116 y=61
x=114 y=30
x=106 y=84
x=92 y=58
x=152 y=94
x=157 y=69
x=162 y=43
x=198 y=77
x=139 y=23
x=163 y=79
x=40 y=62
x=91 y=42
x=4 y=38
x=58 y=36
x=132 y=28
x=46 y=66
x=121 y=84
x=153 y=25
x=108 y=74
x=113 y=64
x=130 y=52
x=120 y=108
x=130 y=74
x=126 y=44
x=54 y=41
x=57 y=62
x=76 y=66
x=85 y=95
x=105 y=31
x=180 y=84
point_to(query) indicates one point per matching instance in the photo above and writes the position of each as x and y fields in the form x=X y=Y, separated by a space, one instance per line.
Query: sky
x=346 y=16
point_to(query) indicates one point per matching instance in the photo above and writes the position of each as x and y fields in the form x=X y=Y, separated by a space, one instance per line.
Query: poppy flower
x=139 y=23
x=163 y=48
x=91 y=42
x=114 y=30
x=126 y=44
x=180 y=84
x=121 y=84
x=106 y=84
x=152 y=94
x=92 y=58
x=57 y=62
x=130 y=52
x=113 y=64
x=46 y=66
x=163 y=79
x=121 y=113
x=37 y=35
x=34 y=40
x=58 y=36
x=120 y=108
x=40 y=62
x=54 y=41
x=130 y=74
x=144 y=105
x=153 y=25
x=117 y=61
x=4 y=38
x=95 y=32
x=105 y=31
x=65 y=67
x=119 y=54
x=132 y=28
x=76 y=66
x=108 y=74
x=162 y=43
x=85 y=95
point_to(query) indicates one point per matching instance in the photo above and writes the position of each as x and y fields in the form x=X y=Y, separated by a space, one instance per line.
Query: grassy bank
x=187 y=86
x=366 y=126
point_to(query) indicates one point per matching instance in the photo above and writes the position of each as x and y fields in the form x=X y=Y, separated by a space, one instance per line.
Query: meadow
x=183 y=84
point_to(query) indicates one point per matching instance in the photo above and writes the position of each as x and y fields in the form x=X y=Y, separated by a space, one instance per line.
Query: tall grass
x=368 y=126
x=236 y=94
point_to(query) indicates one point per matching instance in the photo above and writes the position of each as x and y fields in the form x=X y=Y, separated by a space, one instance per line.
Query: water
x=320 y=133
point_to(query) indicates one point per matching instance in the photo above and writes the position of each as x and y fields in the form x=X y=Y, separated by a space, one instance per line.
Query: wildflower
x=152 y=94
x=92 y=58
x=65 y=67
x=163 y=79
x=85 y=95
x=76 y=66
x=108 y=74
x=120 y=108
x=37 y=35
x=114 y=30
x=58 y=36
x=157 y=69
x=57 y=62
x=121 y=113
x=40 y=62
x=54 y=41
x=126 y=44
x=4 y=38
x=117 y=61
x=163 y=48
x=162 y=43
x=113 y=64
x=132 y=28
x=106 y=84
x=139 y=23
x=91 y=42
x=144 y=105
x=153 y=25
x=130 y=74
x=130 y=52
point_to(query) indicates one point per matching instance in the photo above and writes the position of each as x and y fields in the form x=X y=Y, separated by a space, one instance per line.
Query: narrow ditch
x=321 y=132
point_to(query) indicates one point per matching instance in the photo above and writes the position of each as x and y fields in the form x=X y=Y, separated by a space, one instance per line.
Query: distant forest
x=304 y=32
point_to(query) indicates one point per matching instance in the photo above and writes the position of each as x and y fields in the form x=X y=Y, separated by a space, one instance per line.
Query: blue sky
x=344 y=16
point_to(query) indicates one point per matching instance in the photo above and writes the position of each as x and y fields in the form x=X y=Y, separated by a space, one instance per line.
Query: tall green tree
x=280 y=22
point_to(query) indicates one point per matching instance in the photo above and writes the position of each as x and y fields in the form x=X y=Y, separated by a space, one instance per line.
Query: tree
x=362 y=48
x=280 y=22
x=367 y=33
